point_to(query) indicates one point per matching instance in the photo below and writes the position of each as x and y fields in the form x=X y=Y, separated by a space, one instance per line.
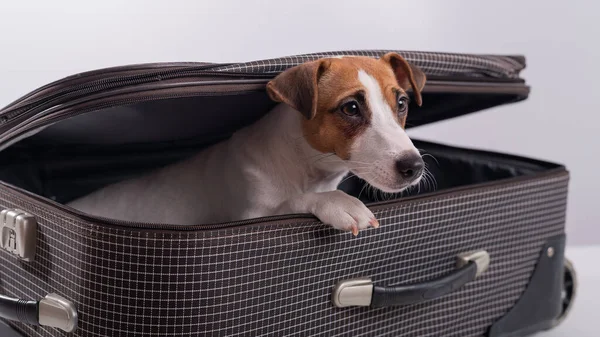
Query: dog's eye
x=402 y=104
x=350 y=109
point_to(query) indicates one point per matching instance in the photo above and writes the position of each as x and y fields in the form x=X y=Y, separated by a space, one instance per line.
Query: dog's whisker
x=431 y=186
x=303 y=136
x=357 y=162
x=320 y=155
x=428 y=180
x=430 y=177
x=390 y=196
x=362 y=189
x=319 y=159
x=352 y=175
x=361 y=173
x=377 y=193
x=367 y=186
x=423 y=155
x=429 y=183
x=403 y=192
x=407 y=191
x=357 y=166
x=425 y=179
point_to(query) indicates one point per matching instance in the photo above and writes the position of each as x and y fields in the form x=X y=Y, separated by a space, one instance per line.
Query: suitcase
x=478 y=253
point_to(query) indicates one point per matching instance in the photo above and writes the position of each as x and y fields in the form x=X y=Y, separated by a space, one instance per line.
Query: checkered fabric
x=275 y=279
x=432 y=63
x=67 y=90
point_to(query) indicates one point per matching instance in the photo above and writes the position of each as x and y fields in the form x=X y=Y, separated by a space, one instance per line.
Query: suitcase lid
x=457 y=84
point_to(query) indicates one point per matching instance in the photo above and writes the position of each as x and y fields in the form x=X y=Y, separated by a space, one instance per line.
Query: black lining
x=66 y=172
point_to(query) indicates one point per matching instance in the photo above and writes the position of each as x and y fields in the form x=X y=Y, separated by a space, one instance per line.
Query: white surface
x=583 y=320
x=41 y=41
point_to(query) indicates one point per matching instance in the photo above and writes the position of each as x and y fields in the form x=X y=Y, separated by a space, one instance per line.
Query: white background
x=46 y=40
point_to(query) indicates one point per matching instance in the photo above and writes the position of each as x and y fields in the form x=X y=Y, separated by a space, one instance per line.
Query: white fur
x=267 y=168
x=383 y=143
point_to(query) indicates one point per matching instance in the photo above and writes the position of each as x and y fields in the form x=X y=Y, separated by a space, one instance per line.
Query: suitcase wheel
x=569 y=291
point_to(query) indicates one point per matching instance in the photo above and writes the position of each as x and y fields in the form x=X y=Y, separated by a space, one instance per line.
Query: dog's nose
x=410 y=167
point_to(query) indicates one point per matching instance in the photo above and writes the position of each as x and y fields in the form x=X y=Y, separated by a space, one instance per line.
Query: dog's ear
x=297 y=86
x=406 y=74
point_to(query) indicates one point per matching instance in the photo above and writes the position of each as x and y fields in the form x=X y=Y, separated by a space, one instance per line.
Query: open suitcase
x=479 y=254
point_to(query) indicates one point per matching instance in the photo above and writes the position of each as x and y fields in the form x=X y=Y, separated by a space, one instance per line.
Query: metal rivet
x=550 y=252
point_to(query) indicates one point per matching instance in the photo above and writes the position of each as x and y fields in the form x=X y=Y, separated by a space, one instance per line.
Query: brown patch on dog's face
x=332 y=129
x=322 y=90
x=403 y=121
x=356 y=107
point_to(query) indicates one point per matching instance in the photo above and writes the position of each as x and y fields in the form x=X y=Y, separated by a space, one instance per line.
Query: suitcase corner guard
x=547 y=297
x=362 y=292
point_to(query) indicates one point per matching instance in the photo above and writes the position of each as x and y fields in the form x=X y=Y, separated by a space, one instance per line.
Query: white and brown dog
x=352 y=116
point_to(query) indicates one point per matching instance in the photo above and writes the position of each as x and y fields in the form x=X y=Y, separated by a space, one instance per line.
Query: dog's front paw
x=344 y=212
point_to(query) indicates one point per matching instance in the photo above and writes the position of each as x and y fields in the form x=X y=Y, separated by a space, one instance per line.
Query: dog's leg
x=334 y=208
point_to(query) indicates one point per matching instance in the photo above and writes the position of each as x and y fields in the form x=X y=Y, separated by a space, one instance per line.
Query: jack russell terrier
x=335 y=116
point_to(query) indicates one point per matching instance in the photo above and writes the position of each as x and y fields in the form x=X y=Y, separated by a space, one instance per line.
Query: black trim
x=438 y=107
x=15 y=309
x=541 y=303
x=411 y=294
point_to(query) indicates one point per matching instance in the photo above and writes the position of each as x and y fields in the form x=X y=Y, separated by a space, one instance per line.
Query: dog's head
x=356 y=108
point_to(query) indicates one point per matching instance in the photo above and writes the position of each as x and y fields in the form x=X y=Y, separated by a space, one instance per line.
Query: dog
x=333 y=116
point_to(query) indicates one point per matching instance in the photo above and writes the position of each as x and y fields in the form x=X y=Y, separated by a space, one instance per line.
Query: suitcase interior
x=83 y=153
x=80 y=154
x=108 y=136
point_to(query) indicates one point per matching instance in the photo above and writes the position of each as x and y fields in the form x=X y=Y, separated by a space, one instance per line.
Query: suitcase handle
x=362 y=292
x=52 y=310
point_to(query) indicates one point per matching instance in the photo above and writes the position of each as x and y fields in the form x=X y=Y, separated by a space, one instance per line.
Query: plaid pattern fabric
x=275 y=279
x=67 y=90
x=432 y=63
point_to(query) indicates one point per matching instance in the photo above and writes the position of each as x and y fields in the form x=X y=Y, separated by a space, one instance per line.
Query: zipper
x=110 y=83
x=39 y=200
x=461 y=87
x=112 y=71
x=113 y=83
x=268 y=220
